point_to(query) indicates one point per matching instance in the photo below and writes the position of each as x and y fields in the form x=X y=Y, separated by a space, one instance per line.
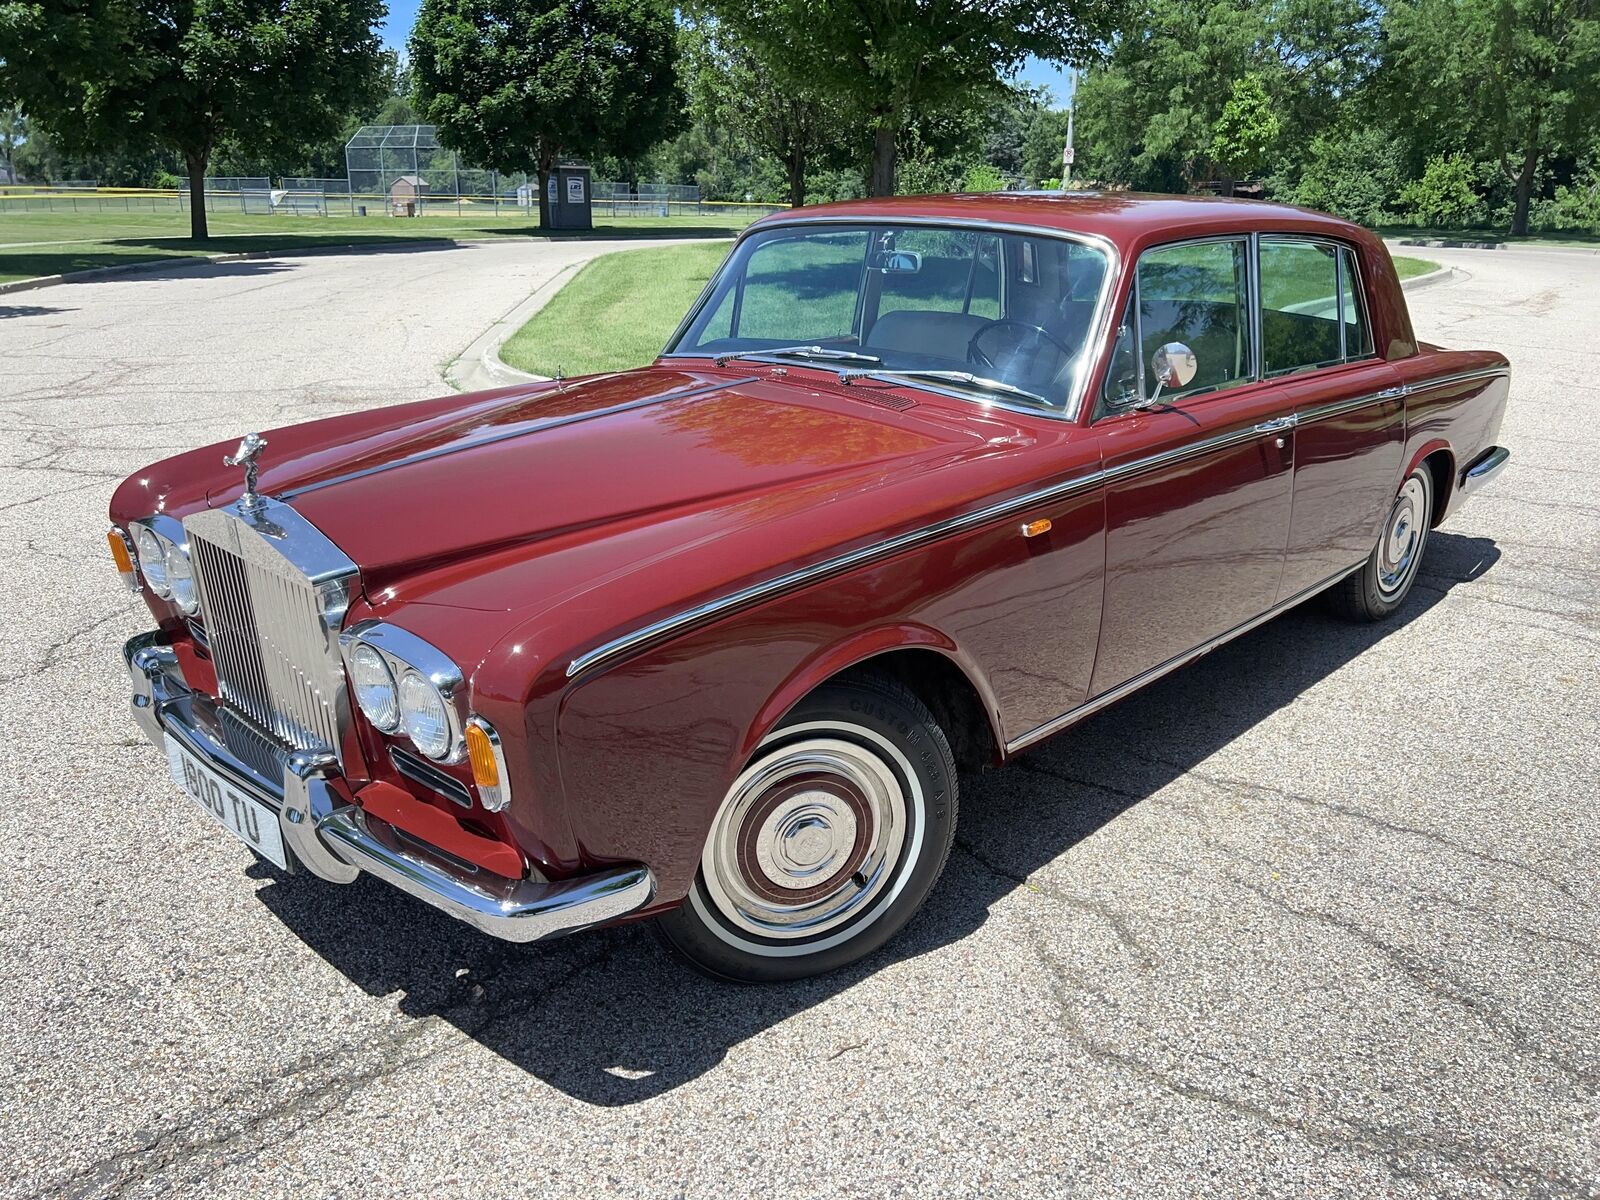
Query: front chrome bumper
x=337 y=841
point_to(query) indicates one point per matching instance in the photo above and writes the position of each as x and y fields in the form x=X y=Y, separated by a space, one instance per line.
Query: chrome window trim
x=1094 y=342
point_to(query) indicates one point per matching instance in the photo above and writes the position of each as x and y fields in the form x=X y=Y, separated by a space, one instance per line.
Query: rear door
x=1349 y=437
x=1198 y=489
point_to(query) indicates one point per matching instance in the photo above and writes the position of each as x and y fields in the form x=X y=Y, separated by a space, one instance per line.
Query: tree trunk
x=1530 y=163
x=547 y=165
x=884 y=156
x=197 y=196
x=797 y=174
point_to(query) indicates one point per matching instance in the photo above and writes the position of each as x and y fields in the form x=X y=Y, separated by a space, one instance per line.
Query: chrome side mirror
x=1173 y=366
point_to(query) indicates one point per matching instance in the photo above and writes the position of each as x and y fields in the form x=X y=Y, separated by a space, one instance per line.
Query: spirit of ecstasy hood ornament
x=245 y=456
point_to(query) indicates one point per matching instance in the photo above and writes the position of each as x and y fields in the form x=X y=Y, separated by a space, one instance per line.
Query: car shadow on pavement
x=613 y=1018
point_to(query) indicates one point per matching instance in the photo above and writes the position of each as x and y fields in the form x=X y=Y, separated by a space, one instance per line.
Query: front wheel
x=1384 y=580
x=827 y=842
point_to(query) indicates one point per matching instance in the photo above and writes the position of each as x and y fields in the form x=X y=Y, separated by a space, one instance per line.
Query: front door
x=1198 y=488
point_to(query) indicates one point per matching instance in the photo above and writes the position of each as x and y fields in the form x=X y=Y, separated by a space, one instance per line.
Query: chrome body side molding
x=1107 y=698
x=766 y=589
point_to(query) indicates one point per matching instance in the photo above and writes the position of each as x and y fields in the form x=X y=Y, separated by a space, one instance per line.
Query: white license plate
x=252 y=822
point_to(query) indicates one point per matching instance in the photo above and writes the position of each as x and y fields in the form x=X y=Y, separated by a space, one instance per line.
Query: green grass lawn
x=53 y=243
x=617 y=312
x=1407 y=267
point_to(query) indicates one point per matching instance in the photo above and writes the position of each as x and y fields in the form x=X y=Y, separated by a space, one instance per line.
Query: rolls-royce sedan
x=917 y=483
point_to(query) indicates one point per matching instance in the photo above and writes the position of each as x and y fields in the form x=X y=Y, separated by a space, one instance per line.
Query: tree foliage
x=1242 y=138
x=516 y=84
x=889 y=63
x=1510 y=82
x=106 y=75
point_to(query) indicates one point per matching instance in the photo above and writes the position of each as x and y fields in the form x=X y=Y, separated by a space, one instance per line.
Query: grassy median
x=616 y=312
x=619 y=310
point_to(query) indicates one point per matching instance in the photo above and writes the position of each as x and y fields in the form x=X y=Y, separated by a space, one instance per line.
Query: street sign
x=1066 y=156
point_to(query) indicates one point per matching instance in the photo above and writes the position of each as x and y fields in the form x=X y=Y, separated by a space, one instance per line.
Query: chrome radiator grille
x=271 y=626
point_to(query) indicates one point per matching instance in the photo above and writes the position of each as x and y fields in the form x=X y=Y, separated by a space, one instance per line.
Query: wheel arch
x=927 y=662
x=1440 y=460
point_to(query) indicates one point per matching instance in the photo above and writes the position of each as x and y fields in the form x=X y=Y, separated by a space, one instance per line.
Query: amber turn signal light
x=488 y=764
x=1035 y=528
x=122 y=555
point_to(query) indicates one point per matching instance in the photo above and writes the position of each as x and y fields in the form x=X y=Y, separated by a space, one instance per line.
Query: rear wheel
x=827 y=842
x=1384 y=580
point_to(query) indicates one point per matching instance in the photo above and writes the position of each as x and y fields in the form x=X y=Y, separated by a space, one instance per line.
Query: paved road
x=1316 y=916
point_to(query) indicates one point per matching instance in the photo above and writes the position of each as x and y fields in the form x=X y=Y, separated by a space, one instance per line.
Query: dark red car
x=917 y=483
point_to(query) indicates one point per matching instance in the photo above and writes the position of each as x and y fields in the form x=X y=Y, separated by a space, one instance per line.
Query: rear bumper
x=335 y=840
x=1484 y=468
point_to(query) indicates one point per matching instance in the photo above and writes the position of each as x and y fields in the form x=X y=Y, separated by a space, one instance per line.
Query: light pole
x=1067 y=152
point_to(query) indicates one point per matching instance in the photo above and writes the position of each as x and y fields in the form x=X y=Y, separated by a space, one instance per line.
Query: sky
x=403 y=14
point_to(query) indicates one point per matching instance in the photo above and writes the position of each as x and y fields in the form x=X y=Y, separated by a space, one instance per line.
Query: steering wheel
x=976 y=354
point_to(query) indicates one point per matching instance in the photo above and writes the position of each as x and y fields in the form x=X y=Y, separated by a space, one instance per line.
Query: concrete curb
x=1442 y=275
x=479 y=367
x=207 y=260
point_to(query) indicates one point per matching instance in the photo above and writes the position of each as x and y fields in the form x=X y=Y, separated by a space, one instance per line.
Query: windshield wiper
x=981 y=382
x=798 y=352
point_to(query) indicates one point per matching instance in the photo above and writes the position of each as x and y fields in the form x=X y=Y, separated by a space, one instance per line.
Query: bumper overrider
x=336 y=840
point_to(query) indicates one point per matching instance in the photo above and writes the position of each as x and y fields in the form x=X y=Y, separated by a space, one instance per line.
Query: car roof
x=1130 y=220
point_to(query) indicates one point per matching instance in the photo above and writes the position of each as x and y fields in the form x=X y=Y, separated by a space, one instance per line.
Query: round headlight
x=180 y=579
x=423 y=715
x=375 y=690
x=152 y=561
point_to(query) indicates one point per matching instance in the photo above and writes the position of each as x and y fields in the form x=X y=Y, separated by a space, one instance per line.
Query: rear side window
x=1357 y=330
x=1300 y=305
x=1311 y=310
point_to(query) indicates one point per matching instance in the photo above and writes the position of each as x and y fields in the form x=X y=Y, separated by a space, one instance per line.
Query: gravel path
x=1316 y=916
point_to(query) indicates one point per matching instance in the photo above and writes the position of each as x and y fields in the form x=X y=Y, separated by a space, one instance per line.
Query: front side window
x=1004 y=316
x=1196 y=294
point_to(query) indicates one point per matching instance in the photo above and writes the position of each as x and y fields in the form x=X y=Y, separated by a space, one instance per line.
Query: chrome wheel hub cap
x=807 y=839
x=1401 y=543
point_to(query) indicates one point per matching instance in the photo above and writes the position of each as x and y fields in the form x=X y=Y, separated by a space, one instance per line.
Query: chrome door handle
x=1394 y=393
x=1278 y=423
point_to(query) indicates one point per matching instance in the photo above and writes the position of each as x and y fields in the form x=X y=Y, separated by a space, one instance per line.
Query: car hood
x=415 y=496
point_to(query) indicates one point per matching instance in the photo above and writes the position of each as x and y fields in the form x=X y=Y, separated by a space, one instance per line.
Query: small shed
x=406 y=195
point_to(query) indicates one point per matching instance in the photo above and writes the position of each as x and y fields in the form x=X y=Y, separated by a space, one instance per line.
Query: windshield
x=1000 y=316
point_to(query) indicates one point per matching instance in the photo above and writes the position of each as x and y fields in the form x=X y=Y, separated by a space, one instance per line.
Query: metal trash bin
x=570 y=193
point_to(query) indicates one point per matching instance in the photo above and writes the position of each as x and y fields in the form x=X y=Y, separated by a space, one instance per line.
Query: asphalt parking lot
x=1316 y=916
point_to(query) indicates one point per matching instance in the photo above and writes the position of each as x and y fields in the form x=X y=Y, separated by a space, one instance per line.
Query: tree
x=887 y=62
x=515 y=84
x=1150 y=117
x=273 y=75
x=727 y=88
x=1244 y=133
x=1515 y=82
